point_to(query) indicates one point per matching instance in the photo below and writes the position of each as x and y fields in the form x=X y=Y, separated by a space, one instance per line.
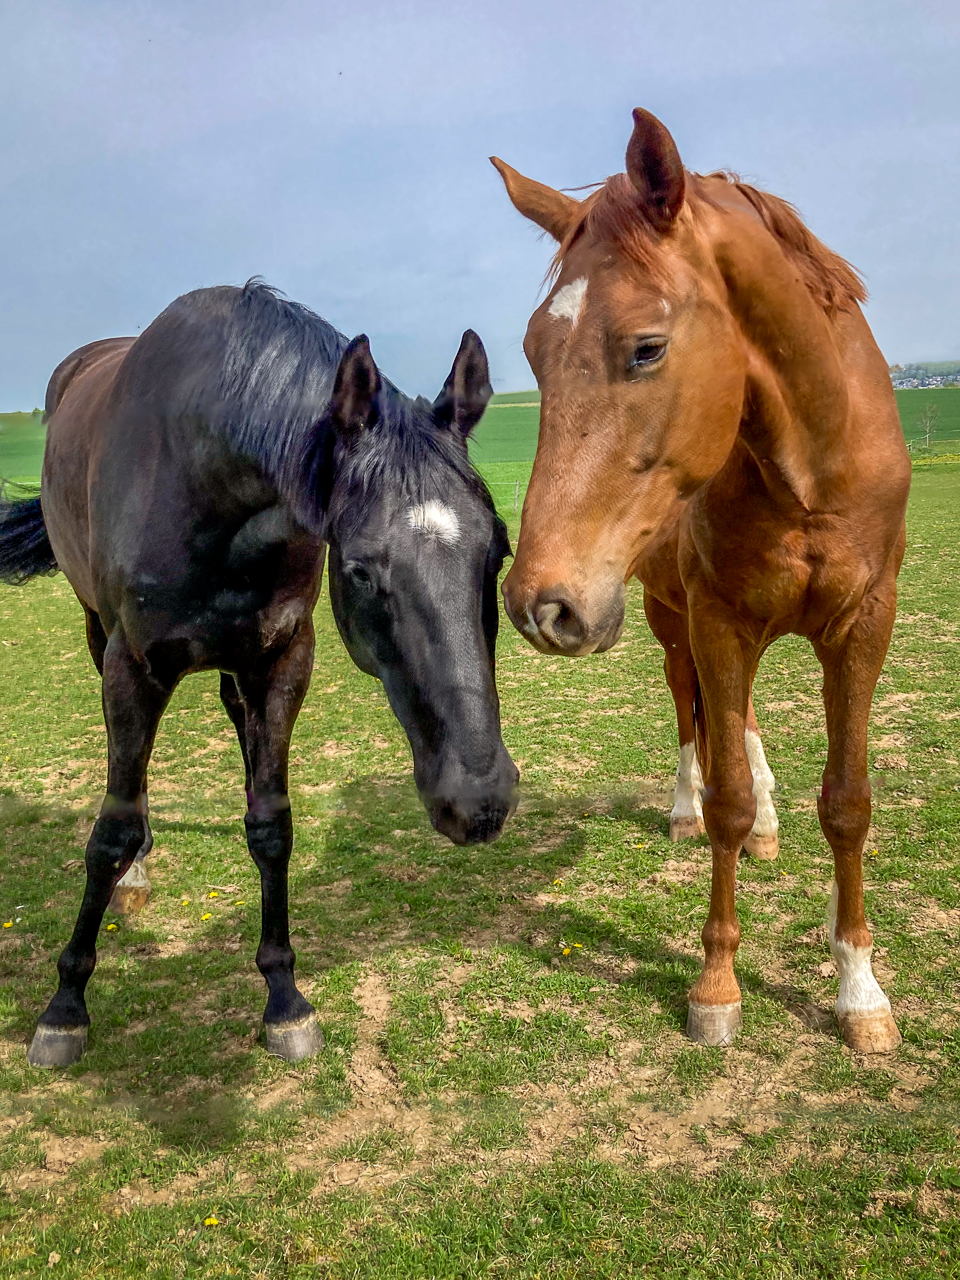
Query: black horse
x=192 y=479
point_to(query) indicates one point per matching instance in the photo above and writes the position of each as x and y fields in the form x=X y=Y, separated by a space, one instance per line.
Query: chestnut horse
x=718 y=421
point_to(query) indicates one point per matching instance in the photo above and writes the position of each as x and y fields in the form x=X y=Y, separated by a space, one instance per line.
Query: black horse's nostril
x=559 y=622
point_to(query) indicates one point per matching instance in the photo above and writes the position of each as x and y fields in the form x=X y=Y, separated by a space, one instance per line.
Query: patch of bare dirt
x=930 y=915
x=370 y=1076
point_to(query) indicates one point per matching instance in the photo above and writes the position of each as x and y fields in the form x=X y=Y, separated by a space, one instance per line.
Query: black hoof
x=294 y=1040
x=57 y=1046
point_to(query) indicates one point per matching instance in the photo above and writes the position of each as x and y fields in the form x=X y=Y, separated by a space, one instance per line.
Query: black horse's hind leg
x=132 y=706
x=133 y=891
x=271 y=698
x=233 y=705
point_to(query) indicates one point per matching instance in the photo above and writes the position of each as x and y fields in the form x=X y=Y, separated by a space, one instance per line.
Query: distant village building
x=913 y=377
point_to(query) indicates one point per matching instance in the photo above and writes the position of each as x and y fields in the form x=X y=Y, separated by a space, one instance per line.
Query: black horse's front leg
x=132 y=705
x=271 y=699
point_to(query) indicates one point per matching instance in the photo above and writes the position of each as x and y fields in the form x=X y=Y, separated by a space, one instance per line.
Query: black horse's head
x=415 y=549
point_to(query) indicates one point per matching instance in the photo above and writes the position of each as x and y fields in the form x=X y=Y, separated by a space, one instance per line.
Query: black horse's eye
x=649 y=351
x=359 y=575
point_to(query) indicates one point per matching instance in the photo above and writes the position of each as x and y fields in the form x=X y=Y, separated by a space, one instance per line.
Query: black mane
x=268 y=392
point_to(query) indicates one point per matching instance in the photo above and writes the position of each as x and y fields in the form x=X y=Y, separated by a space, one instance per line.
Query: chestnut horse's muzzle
x=557 y=620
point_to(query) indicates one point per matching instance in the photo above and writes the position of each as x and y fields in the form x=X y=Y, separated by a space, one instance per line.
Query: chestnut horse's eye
x=648 y=352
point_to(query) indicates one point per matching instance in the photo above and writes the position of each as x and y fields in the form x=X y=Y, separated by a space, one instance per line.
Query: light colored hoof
x=765 y=848
x=57 y=1046
x=686 y=828
x=716 y=1024
x=875 y=1033
x=132 y=892
x=294 y=1040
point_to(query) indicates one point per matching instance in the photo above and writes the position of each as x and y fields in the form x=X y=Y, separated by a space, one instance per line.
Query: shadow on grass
x=175 y=1028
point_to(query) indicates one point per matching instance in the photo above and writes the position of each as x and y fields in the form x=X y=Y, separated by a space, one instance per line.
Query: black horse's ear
x=465 y=393
x=355 y=388
x=656 y=170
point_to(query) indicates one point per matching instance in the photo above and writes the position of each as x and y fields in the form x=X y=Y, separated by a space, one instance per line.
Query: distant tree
x=36 y=413
x=928 y=420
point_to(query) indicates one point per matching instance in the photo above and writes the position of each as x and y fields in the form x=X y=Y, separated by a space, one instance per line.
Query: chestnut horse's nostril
x=559 y=623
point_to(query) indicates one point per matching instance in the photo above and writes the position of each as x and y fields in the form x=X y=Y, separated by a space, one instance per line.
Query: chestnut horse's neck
x=807 y=345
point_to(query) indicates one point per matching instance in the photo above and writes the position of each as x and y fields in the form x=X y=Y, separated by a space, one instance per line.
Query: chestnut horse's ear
x=549 y=209
x=465 y=393
x=656 y=170
x=355 y=388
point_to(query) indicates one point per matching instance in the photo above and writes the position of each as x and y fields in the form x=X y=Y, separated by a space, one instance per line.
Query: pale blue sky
x=340 y=150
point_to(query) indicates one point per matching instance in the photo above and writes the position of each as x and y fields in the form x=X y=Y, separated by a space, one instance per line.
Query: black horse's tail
x=25 y=549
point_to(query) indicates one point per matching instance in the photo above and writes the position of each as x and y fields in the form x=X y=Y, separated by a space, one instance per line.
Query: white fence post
x=516 y=496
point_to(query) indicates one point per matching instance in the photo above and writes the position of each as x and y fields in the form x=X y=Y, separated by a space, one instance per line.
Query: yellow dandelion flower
x=558 y=882
x=184 y=902
x=213 y=894
x=211 y=1221
x=566 y=951
x=240 y=902
x=8 y=924
x=206 y=915
x=579 y=944
x=110 y=928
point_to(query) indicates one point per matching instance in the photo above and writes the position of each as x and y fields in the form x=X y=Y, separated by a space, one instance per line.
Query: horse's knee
x=844 y=811
x=729 y=810
x=269 y=837
x=114 y=843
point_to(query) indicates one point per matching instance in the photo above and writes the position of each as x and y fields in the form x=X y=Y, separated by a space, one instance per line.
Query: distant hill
x=21 y=445
x=507 y=434
x=514 y=397
x=928 y=368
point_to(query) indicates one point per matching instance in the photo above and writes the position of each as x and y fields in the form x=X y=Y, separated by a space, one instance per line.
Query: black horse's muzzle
x=471 y=811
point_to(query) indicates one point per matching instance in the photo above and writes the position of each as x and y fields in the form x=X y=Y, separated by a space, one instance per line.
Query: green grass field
x=506 y=1089
x=22 y=437
x=505 y=442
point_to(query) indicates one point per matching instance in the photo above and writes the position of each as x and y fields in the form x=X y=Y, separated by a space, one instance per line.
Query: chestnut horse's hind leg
x=729 y=809
x=670 y=628
x=763 y=840
x=271 y=697
x=132 y=705
x=686 y=817
x=850 y=672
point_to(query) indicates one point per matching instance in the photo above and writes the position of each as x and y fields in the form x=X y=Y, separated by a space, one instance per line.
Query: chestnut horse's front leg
x=725 y=664
x=851 y=668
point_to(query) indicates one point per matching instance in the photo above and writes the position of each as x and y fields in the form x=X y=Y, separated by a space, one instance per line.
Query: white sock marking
x=435 y=519
x=568 y=302
x=860 y=993
x=686 y=800
x=766 y=822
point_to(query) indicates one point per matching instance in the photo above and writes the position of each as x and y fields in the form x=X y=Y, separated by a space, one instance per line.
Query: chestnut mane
x=613 y=213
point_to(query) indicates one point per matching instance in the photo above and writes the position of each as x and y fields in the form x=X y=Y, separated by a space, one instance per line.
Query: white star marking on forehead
x=435 y=519
x=568 y=302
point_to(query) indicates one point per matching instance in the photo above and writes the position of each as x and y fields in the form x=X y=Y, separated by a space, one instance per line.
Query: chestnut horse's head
x=642 y=370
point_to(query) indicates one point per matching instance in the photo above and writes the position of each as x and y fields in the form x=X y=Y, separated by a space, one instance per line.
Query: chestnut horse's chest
x=774 y=574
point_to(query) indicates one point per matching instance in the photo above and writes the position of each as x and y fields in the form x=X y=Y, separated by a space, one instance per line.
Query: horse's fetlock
x=272 y=958
x=721 y=935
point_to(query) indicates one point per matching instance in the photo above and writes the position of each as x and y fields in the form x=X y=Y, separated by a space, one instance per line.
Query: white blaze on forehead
x=436 y=519
x=568 y=302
